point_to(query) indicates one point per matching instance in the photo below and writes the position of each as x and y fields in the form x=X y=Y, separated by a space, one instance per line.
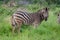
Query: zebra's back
x=24 y=16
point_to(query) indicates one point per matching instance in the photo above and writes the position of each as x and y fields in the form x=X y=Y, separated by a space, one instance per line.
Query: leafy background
x=47 y=30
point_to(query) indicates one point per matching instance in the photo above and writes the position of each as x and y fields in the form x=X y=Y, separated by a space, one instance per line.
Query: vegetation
x=47 y=30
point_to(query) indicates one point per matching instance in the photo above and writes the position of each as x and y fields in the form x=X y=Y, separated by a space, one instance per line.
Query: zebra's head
x=58 y=18
x=44 y=13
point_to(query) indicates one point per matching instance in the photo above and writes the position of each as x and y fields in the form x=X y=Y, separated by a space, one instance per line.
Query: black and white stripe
x=35 y=19
x=22 y=16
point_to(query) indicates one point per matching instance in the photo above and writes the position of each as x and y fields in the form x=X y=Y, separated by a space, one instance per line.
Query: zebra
x=20 y=17
x=58 y=17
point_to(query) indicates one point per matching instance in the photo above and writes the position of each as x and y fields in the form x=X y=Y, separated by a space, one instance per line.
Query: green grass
x=47 y=30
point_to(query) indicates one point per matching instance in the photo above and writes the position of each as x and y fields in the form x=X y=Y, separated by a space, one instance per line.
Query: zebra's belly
x=28 y=23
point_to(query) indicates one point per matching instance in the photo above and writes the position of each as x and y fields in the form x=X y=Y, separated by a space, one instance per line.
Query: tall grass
x=47 y=30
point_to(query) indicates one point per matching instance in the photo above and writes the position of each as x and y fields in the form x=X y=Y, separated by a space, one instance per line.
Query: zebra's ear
x=46 y=9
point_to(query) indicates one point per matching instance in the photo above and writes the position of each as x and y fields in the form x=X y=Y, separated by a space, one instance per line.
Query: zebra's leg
x=35 y=24
x=13 y=29
x=19 y=26
x=13 y=25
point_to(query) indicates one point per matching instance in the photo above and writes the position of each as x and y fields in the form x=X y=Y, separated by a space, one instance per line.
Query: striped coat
x=58 y=18
x=20 y=17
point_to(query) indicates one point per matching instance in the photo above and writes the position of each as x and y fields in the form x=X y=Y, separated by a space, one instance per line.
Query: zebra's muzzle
x=46 y=19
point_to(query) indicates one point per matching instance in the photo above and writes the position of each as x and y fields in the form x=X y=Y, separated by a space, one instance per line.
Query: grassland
x=47 y=30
